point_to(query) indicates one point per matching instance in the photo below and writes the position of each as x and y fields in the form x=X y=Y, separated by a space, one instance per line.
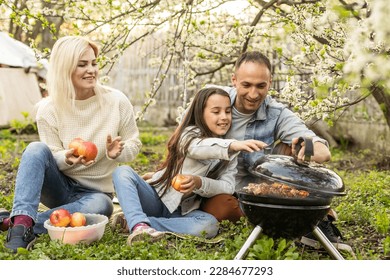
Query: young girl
x=197 y=150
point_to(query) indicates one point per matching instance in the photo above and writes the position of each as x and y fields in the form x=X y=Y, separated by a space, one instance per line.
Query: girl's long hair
x=177 y=150
x=63 y=62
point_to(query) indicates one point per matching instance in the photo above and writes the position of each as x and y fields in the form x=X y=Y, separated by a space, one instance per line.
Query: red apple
x=60 y=218
x=88 y=150
x=77 y=220
x=75 y=145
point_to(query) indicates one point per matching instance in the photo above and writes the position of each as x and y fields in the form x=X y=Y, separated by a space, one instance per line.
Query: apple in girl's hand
x=75 y=145
x=177 y=181
x=60 y=218
x=77 y=220
x=88 y=150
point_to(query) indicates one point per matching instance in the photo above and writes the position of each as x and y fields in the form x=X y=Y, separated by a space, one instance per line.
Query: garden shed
x=20 y=74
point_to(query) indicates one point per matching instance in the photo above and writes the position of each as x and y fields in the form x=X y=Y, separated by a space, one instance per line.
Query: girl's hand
x=114 y=146
x=147 y=176
x=250 y=146
x=189 y=183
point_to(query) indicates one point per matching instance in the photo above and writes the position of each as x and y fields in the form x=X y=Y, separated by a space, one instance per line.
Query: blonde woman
x=49 y=172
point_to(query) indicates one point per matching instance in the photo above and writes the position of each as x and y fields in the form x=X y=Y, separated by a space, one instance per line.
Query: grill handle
x=309 y=147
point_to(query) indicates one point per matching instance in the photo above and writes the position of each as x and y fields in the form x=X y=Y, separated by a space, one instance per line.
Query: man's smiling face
x=252 y=81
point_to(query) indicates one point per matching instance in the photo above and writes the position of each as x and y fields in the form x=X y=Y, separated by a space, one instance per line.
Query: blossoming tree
x=339 y=47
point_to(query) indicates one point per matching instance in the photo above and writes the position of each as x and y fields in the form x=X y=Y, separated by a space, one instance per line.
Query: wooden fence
x=133 y=75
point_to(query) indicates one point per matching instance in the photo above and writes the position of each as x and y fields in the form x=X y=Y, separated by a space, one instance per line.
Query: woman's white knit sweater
x=57 y=127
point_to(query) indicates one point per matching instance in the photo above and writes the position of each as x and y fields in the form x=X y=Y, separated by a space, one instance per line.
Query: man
x=255 y=115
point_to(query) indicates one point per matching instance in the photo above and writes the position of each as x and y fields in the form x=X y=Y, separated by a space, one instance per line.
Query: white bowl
x=92 y=231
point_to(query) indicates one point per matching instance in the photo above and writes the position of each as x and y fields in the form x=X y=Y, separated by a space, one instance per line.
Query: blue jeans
x=39 y=180
x=141 y=203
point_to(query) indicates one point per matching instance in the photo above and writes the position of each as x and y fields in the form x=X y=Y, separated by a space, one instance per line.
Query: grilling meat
x=275 y=189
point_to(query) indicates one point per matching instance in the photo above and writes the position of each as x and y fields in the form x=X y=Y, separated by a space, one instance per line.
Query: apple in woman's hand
x=88 y=150
x=83 y=148
x=75 y=145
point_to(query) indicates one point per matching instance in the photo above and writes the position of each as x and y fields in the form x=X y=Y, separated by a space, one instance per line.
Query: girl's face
x=217 y=114
x=85 y=75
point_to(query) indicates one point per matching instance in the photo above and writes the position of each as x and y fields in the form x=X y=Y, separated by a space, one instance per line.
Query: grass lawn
x=363 y=216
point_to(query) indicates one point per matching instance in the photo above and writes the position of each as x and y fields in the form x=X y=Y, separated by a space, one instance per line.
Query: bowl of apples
x=75 y=228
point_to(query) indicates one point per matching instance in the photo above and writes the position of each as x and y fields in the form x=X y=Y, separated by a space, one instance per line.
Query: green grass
x=364 y=218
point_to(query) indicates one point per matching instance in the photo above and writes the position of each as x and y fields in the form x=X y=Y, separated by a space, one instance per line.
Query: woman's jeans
x=39 y=180
x=141 y=203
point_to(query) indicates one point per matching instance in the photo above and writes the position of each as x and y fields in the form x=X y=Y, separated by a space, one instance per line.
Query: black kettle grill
x=287 y=198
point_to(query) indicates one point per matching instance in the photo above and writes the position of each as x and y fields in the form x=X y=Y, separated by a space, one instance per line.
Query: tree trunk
x=320 y=128
x=383 y=99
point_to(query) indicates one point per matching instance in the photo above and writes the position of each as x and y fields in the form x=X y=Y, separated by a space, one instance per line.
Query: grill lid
x=309 y=176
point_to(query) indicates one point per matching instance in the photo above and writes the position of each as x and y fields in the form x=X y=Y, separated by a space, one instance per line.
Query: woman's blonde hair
x=63 y=62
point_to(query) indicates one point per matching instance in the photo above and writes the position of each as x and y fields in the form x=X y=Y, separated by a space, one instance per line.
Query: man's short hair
x=253 y=56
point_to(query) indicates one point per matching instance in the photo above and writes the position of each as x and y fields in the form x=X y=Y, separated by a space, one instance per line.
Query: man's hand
x=321 y=151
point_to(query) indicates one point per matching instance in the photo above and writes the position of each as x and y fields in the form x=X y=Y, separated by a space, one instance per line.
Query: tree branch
x=265 y=6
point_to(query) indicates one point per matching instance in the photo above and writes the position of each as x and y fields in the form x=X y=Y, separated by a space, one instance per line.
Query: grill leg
x=329 y=247
x=248 y=243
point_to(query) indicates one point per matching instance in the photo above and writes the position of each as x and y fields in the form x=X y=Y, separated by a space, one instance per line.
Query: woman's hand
x=71 y=159
x=249 y=145
x=114 y=146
